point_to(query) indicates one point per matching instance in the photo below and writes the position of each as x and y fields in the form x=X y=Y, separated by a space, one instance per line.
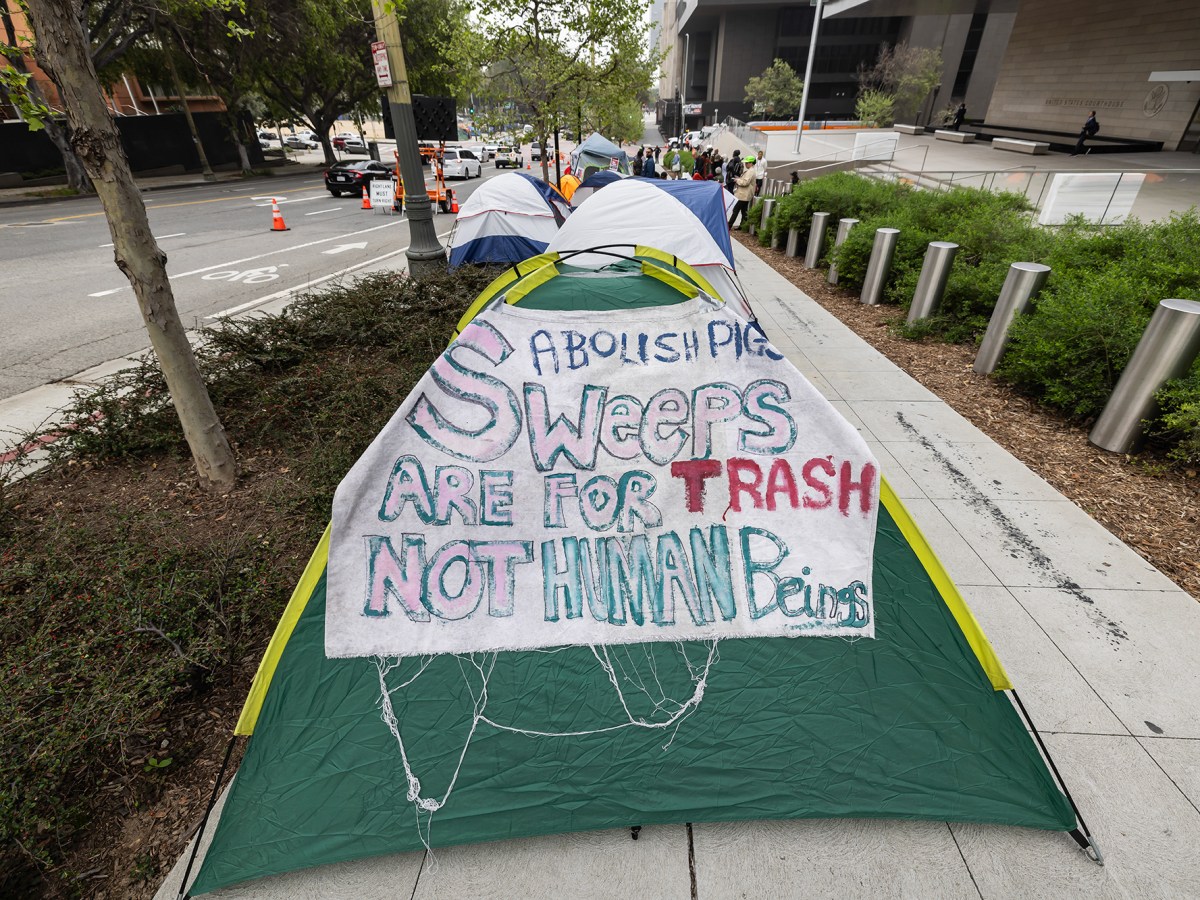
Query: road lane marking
x=300 y=287
x=157 y=238
x=245 y=259
x=316 y=196
x=342 y=248
x=328 y=209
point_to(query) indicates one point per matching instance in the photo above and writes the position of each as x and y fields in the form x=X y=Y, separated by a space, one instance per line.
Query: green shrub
x=875 y=109
x=111 y=611
x=1179 y=420
x=1104 y=288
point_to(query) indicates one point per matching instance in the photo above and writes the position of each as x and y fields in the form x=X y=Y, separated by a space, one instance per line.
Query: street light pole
x=812 y=52
x=425 y=253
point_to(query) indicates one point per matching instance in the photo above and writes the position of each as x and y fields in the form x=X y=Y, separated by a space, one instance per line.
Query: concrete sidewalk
x=1101 y=646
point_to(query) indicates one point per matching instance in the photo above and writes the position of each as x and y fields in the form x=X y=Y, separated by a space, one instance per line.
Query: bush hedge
x=1070 y=349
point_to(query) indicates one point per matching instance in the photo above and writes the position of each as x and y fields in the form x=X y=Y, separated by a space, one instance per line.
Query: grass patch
x=126 y=592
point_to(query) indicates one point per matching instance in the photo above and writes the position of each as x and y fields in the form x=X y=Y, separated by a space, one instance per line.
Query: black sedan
x=350 y=177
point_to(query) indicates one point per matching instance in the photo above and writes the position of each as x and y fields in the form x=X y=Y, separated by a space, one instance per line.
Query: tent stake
x=1082 y=835
x=212 y=801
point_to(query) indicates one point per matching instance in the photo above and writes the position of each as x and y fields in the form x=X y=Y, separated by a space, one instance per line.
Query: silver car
x=461 y=163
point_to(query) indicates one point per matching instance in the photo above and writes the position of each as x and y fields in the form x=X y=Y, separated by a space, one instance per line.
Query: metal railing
x=1158 y=191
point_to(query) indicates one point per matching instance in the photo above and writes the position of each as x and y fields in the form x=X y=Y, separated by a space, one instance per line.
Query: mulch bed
x=1151 y=505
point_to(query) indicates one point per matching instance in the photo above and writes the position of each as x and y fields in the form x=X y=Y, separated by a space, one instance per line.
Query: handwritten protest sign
x=567 y=478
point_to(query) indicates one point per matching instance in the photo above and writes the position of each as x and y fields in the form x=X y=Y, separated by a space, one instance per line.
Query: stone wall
x=1066 y=58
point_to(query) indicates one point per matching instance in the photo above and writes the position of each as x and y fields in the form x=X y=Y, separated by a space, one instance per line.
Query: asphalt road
x=64 y=305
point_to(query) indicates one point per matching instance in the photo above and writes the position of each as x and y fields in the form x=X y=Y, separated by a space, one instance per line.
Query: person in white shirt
x=760 y=172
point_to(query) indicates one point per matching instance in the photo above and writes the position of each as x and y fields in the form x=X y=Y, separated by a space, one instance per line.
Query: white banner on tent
x=572 y=478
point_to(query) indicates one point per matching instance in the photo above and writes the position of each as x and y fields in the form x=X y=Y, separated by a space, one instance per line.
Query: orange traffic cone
x=277 y=217
x=366 y=204
x=528 y=166
x=453 y=203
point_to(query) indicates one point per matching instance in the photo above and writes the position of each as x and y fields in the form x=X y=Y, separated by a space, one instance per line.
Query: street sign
x=693 y=109
x=383 y=68
x=383 y=193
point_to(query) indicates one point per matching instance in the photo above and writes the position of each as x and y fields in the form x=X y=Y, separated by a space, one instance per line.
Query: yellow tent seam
x=503 y=280
x=966 y=620
x=675 y=262
x=283 y=633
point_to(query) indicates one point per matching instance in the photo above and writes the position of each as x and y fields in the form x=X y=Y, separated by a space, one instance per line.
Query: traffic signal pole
x=425 y=253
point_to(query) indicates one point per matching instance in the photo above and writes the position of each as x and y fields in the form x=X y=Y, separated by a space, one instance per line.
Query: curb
x=149 y=189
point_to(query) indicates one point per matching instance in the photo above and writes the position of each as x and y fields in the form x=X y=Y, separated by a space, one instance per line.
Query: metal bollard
x=793 y=242
x=843 y=232
x=931 y=284
x=1167 y=350
x=882 y=253
x=816 y=240
x=768 y=208
x=1023 y=283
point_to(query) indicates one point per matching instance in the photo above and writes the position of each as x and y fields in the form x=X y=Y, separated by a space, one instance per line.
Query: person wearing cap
x=743 y=192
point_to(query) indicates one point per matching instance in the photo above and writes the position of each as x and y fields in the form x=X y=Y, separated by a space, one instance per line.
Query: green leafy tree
x=550 y=53
x=442 y=49
x=907 y=74
x=312 y=61
x=66 y=54
x=776 y=92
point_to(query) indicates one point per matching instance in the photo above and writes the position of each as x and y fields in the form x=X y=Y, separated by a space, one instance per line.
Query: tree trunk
x=62 y=52
x=205 y=168
x=77 y=176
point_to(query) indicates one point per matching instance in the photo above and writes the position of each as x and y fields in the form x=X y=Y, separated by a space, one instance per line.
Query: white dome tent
x=684 y=218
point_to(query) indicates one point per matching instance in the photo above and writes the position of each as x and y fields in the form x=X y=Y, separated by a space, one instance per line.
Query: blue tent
x=509 y=218
x=597 y=152
x=593 y=183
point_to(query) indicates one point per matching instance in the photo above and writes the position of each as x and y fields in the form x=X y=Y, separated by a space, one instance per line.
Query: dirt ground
x=1152 y=506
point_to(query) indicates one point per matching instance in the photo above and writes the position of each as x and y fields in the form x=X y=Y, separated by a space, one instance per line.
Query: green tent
x=915 y=724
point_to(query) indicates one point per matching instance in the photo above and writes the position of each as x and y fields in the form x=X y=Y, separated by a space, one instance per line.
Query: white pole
x=129 y=91
x=812 y=52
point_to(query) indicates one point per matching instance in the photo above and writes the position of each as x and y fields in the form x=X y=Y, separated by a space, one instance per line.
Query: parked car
x=300 y=142
x=351 y=143
x=460 y=164
x=268 y=136
x=507 y=158
x=489 y=151
x=350 y=177
x=535 y=151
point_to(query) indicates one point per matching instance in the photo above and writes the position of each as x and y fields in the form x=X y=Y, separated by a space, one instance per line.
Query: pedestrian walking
x=1090 y=129
x=657 y=150
x=743 y=192
x=960 y=116
x=760 y=172
x=674 y=164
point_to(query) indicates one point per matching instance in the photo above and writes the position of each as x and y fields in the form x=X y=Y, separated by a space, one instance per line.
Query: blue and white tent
x=593 y=183
x=683 y=218
x=509 y=218
x=598 y=153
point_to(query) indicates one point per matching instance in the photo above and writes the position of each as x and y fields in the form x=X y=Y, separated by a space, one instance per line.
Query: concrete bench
x=959 y=137
x=1019 y=146
x=909 y=129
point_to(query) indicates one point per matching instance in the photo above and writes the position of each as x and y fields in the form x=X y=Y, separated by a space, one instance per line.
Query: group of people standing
x=742 y=175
